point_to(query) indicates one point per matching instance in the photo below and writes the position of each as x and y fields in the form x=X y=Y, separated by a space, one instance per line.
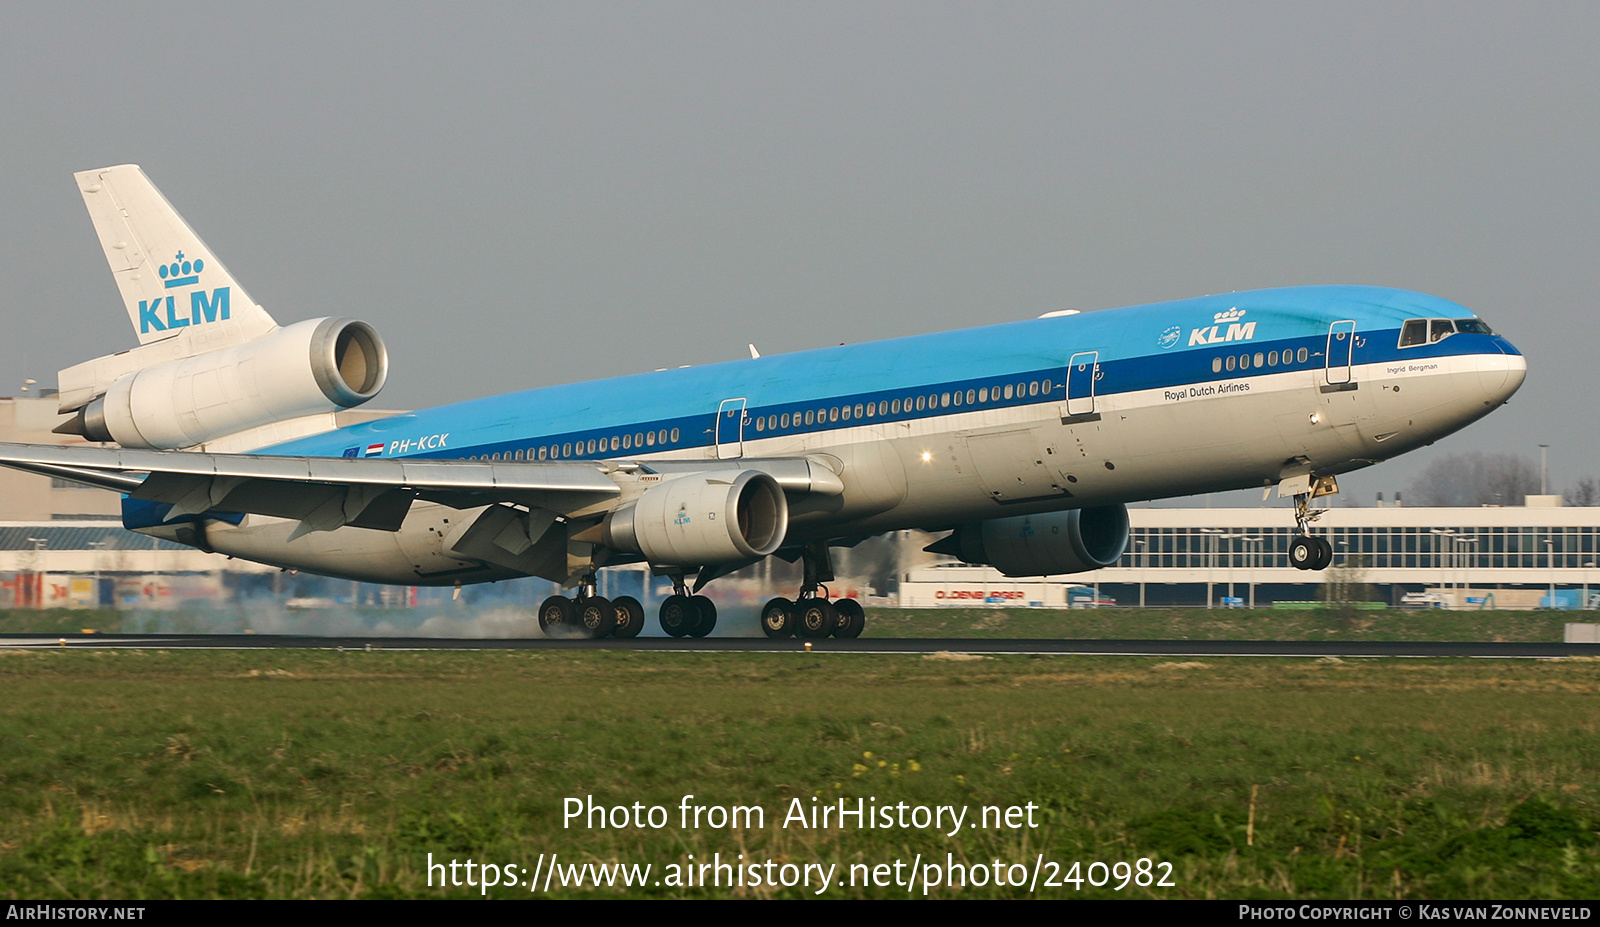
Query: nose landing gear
x=1305 y=551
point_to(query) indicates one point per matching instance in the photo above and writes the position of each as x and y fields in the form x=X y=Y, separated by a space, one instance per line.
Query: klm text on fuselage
x=161 y=313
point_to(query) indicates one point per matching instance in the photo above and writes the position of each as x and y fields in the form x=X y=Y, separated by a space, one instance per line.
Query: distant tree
x=1587 y=492
x=1475 y=479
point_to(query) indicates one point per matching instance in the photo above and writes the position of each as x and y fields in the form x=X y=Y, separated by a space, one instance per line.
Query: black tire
x=1324 y=554
x=630 y=617
x=678 y=615
x=706 y=616
x=1303 y=552
x=597 y=617
x=852 y=618
x=777 y=618
x=557 y=616
x=815 y=618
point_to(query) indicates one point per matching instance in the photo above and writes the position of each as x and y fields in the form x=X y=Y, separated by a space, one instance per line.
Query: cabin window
x=944 y=401
x=1216 y=365
x=674 y=436
x=858 y=410
x=958 y=397
x=1009 y=392
x=1303 y=355
x=983 y=394
x=894 y=407
x=845 y=413
x=1244 y=362
x=922 y=403
x=1259 y=359
x=1229 y=363
x=616 y=442
x=627 y=442
x=1272 y=358
x=784 y=421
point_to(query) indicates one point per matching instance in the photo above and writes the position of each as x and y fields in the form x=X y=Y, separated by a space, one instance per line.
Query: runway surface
x=1171 y=648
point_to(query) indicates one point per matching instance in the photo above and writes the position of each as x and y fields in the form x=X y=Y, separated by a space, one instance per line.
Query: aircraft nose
x=1501 y=375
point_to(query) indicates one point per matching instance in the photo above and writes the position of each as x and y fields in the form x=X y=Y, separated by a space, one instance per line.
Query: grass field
x=143 y=774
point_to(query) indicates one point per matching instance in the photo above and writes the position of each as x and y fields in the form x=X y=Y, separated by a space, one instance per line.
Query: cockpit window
x=1473 y=327
x=1414 y=333
x=1440 y=329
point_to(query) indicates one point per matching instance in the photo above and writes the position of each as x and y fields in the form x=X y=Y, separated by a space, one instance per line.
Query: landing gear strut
x=811 y=614
x=1305 y=551
x=588 y=615
x=685 y=615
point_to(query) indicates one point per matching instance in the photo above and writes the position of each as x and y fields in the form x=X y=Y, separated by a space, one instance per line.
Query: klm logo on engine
x=163 y=314
x=1226 y=327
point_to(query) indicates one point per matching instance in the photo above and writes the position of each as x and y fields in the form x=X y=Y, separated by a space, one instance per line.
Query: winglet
x=168 y=278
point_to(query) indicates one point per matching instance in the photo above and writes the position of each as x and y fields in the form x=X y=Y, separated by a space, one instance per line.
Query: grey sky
x=520 y=195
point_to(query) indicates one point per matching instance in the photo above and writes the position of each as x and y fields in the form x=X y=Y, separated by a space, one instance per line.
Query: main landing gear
x=591 y=616
x=1305 y=551
x=812 y=615
x=685 y=615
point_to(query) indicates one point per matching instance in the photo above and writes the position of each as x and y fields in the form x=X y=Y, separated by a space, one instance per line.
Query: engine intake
x=703 y=518
x=320 y=365
x=1042 y=545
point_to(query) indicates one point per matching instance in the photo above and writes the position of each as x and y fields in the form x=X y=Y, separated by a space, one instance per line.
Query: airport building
x=62 y=545
x=1494 y=557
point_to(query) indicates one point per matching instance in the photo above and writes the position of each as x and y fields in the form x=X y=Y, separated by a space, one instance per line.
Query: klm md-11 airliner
x=1024 y=441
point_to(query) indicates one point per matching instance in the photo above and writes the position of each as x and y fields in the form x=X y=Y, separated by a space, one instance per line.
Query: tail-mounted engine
x=1042 y=545
x=703 y=518
x=316 y=366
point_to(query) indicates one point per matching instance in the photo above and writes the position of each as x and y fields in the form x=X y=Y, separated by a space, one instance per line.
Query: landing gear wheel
x=678 y=615
x=596 y=617
x=630 y=617
x=778 y=618
x=1303 y=552
x=816 y=619
x=706 y=612
x=557 y=616
x=1324 y=558
x=852 y=618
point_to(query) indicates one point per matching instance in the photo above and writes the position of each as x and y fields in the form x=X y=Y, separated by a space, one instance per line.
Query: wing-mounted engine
x=1042 y=545
x=701 y=519
x=311 y=367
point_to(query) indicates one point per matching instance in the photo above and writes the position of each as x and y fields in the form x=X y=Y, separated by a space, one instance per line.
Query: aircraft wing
x=324 y=493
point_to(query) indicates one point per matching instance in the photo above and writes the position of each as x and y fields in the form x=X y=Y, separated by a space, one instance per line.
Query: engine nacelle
x=703 y=518
x=1043 y=545
x=319 y=365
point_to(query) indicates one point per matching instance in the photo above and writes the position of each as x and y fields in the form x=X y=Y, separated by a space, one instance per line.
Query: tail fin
x=168 y=278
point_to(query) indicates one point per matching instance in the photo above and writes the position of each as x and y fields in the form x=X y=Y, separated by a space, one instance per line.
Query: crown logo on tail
x=181 y=272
